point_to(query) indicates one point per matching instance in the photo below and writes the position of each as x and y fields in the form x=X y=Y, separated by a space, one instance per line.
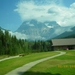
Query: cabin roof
x=62 y=42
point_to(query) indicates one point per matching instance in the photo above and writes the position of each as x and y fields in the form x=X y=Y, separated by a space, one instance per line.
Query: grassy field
x=3 y=56
x=8 y=65
x=62 y=65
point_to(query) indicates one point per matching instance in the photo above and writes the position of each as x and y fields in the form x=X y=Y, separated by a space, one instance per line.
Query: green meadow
x=62 y=65
x=11 y=64
x=3 y=56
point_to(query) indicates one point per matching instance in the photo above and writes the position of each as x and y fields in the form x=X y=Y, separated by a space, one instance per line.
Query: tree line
x=10 y=45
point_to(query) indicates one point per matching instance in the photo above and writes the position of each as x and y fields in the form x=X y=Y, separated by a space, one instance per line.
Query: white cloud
x=23 y=36
x=72 y=5
x=31 y=24
x=47 y=10
x=19 y=35
x=60 y=31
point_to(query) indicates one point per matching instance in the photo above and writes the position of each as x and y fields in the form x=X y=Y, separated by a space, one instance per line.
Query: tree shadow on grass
x=36 y=73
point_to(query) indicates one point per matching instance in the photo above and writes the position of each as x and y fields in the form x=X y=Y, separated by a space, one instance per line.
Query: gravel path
x=8 y=58
x=24 y=68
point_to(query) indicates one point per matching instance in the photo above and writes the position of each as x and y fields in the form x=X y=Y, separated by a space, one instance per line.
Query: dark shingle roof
x=59 y=42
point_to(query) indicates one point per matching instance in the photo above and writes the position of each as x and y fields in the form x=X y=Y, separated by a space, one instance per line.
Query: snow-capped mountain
x=41 y=30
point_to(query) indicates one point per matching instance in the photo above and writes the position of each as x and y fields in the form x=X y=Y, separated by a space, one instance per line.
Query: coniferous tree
x=10 y=45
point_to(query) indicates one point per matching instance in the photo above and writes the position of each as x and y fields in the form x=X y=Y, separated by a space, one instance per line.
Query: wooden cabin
x=63 y=44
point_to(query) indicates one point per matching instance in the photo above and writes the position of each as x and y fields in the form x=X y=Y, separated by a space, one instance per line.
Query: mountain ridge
x=41 y=30
x=67 y=33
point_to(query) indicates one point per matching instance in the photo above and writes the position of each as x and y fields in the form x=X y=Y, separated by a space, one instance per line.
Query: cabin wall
x=60 y=47
x=70 y=47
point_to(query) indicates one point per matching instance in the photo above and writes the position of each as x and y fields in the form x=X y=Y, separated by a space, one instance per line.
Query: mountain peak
x=52 y=24
x=33 y=21
x=39 y=30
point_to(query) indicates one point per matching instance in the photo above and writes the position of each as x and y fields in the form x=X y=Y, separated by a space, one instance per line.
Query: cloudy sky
x=14 y=12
